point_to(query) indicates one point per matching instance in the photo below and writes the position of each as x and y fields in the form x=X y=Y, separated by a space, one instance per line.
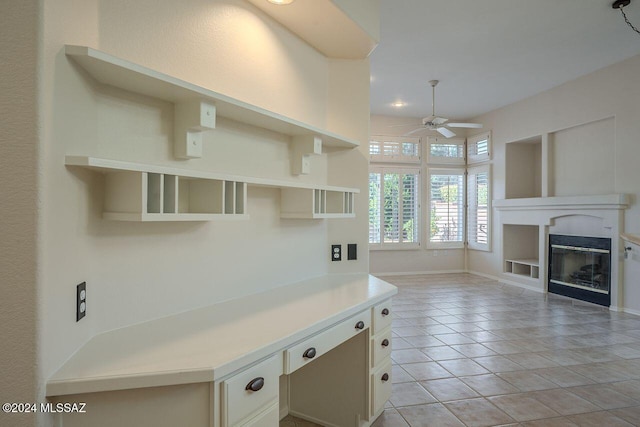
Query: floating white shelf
x=114 y=71
x=141 y=192
x=316 y=204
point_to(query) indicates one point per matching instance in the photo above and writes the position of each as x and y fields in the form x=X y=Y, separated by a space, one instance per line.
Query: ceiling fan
x=439 y=124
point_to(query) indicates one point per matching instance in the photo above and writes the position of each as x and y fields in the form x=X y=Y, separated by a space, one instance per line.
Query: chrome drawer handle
x=385 y=311
x=385 y=377
x=360 y=325
x=310 y=353
x=385 y=342
x=255 y=384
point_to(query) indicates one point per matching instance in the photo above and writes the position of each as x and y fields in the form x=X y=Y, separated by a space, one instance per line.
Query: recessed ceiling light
x=398 y=104
x=280 y=2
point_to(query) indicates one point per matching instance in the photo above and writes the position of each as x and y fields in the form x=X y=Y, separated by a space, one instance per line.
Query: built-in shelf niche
x=524 y=169
x=521 y=250
x=141 y=192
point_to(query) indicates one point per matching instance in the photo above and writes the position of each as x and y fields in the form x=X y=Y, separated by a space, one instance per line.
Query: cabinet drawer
x=239 y=401
x=380 y=387
x=269 y=418
x=380 y=347
x=382 y=316
x=314 y=347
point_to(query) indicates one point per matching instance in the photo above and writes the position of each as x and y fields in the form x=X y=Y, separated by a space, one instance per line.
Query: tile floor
x=469 y=351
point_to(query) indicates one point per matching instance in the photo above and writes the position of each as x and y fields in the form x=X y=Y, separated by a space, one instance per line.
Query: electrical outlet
x=352 y=251
x=336 y=252
x=81 y=301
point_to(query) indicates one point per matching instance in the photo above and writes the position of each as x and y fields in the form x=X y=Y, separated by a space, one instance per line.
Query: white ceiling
x=491 y=53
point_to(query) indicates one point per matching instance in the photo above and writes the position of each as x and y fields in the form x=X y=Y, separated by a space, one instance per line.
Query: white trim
x=507 y=282
x=417 y=273
x=626 y=310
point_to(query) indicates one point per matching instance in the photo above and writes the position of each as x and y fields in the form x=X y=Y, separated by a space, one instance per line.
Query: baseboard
x=631 y=311
x=417 y=273
x=284 y=412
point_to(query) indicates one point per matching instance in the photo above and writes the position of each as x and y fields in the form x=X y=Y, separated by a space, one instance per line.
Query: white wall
x=593 y=121
x=139 y=271
x=421 y=260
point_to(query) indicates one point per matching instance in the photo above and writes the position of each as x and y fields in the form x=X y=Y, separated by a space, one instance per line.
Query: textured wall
x=19 y=132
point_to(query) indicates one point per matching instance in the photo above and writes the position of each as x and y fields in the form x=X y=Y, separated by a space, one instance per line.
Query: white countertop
x=209 y=343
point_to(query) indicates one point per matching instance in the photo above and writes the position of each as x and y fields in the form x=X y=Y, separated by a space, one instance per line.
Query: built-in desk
x=242 y=362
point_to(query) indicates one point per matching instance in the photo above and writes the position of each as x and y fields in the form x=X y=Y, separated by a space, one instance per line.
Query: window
x=394 y=208
x=394 y=149
x=478 y=148
x=479 y=207
x=443 y=150
x=446 y=211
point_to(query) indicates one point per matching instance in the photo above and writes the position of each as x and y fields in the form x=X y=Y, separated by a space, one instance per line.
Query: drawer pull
x=385 y=342
x=385 y=377
x=310 y=353
x=360 y=325
x=385 y=311
x=255 y=384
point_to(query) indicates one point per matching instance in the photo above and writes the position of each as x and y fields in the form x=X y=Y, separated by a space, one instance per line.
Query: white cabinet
x=380 y=357
x=248 y=394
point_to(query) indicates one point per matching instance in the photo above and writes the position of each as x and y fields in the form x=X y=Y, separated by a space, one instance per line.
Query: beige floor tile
x=631 y=415
x=449 y=389
x=423 y=341
x=454 y=338
x=603 y=396
x=564 y=377
x=498 y=364
x=489 y=385
x=527 y=380
x=550 y=422
x=443 y=352
x=564 y=402
x=478 y=412
x=523 y=407
x=406 y=394
x=390 y=418
x=599 y=419
x=463 y=367
x=473 y=350
x=431 y=415
x=399 y=375
x=426 y=371
x=409 y=356
x=531 y=360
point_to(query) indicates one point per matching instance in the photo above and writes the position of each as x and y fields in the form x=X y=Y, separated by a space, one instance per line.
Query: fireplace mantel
x=526 y=223
x=576 y=203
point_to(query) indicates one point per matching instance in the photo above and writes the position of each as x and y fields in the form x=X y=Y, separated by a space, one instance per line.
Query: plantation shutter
x=478 y=207
x=446 y=214
x=478 y=148
x=394 y=149
x=375 y=187
x=446 y=150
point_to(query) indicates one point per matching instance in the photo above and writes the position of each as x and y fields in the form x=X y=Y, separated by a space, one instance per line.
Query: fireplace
x=580 y=267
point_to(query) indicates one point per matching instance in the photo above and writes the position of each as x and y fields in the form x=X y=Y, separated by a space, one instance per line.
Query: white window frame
x=472 y=148
x=443 y=160
x=446 y=171
x=472 y=204
x=389 y=169
x=386 y=143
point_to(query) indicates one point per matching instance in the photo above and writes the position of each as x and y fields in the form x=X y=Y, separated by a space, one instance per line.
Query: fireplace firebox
x=580 y=267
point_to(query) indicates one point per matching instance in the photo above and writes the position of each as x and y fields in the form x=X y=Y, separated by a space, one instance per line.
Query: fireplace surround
x=580 y=267
x=526 y=225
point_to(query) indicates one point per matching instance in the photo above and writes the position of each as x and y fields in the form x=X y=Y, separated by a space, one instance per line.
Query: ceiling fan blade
x=465 y=125
x=415 y=131
x=445 y=132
